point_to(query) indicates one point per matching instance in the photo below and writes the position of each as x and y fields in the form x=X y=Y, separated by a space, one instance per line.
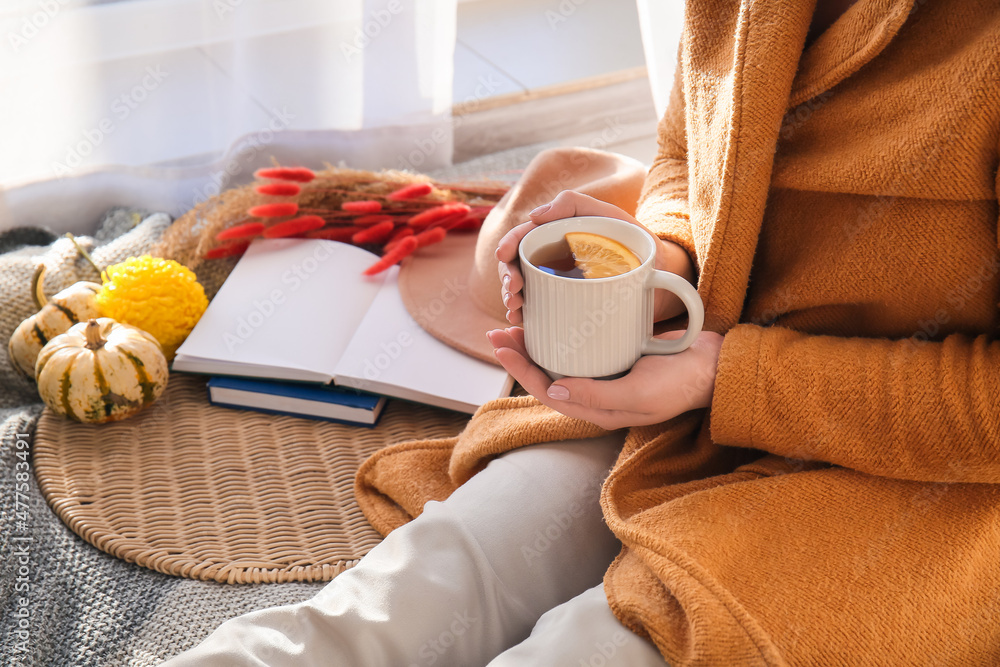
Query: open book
x=300 y=310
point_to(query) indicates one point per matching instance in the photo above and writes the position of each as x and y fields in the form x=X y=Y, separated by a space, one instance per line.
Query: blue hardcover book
x=299 y=400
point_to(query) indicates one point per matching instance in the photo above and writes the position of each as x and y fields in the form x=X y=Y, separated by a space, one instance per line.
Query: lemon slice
x=600 y=257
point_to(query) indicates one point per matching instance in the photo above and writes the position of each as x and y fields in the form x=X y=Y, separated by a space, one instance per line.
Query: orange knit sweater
x=841 y=503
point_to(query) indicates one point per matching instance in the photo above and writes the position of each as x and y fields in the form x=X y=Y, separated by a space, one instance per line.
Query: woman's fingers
x=512 y=337
x=513 y=301
x=513 y=357
x=569 y=203
x=510 y=292
x=511 y=279
x=597 y=401
x=507 y=247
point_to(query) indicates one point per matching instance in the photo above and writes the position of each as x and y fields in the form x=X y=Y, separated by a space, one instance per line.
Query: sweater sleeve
x=927 y=411
x=663 y=204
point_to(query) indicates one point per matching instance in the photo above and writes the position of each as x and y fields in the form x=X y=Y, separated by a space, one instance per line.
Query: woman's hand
x=567 y=204
x=657 y=388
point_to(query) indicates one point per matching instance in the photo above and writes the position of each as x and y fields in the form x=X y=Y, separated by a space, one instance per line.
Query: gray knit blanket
x=64 y=602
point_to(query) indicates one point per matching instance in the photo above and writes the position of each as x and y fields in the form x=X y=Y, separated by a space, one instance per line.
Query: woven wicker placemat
x=195 y=490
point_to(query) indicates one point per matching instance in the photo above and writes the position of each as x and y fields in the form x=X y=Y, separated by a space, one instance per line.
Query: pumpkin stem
x=37 y=287
x=94 y=338
x=86 y=255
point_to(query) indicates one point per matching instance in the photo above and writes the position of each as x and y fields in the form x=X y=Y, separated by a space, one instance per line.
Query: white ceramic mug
x=598 y=327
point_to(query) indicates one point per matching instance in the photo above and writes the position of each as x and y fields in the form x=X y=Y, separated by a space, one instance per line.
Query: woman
x=815 y=480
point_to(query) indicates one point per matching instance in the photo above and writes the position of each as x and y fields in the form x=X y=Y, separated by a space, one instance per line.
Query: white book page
x=391 y=354
x=287 y=311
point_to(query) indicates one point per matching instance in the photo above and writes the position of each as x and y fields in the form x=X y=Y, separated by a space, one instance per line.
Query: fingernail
x=496 y=254
x=506 y=281
x=558 y=392
x=506 y=298
x=541 y=209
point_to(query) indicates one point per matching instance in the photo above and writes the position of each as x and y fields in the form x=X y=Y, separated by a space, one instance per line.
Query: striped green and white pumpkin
x=76 y=303
x=101 y=371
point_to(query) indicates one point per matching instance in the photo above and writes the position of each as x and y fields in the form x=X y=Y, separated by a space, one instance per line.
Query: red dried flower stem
x=430 y=236
x=227 y=250
x=340 y=191
x=328 y=211
x=400 y=233
x=331 y=183
x=375 y=234
x=407 y=206
x=425 y=218
x=335 y=234
x=298 y=174
x=294 y=226
x=406 y=247
x=280 y=189
x=362 y=206
x=411 y=191
x=396 y=237
x=448 y=222
x=347 y=191
x=369 y=220
x=276 y=210
x=240 y=231
x=468 y=223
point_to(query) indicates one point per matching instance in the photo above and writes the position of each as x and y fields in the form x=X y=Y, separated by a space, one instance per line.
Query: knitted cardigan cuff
x=736 y=387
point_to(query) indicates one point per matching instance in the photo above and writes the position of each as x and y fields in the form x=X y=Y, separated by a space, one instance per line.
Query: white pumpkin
x=100 y=371
x=76 y=303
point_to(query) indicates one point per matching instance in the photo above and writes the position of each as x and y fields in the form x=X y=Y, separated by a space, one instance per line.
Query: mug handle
x=691 y=300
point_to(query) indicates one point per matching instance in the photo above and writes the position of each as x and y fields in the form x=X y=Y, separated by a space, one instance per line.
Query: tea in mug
x=556 y=258
x=584 y=255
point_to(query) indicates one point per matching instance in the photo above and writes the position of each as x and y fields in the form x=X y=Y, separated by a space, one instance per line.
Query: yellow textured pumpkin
x=157 y=295
x=101 y=371
x=76 y=303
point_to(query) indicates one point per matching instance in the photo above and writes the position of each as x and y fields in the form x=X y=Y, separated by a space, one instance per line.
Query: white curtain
x=162 y=103
x=660 y=22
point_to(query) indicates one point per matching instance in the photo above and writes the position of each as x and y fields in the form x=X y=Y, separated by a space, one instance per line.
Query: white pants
x=505 y=572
